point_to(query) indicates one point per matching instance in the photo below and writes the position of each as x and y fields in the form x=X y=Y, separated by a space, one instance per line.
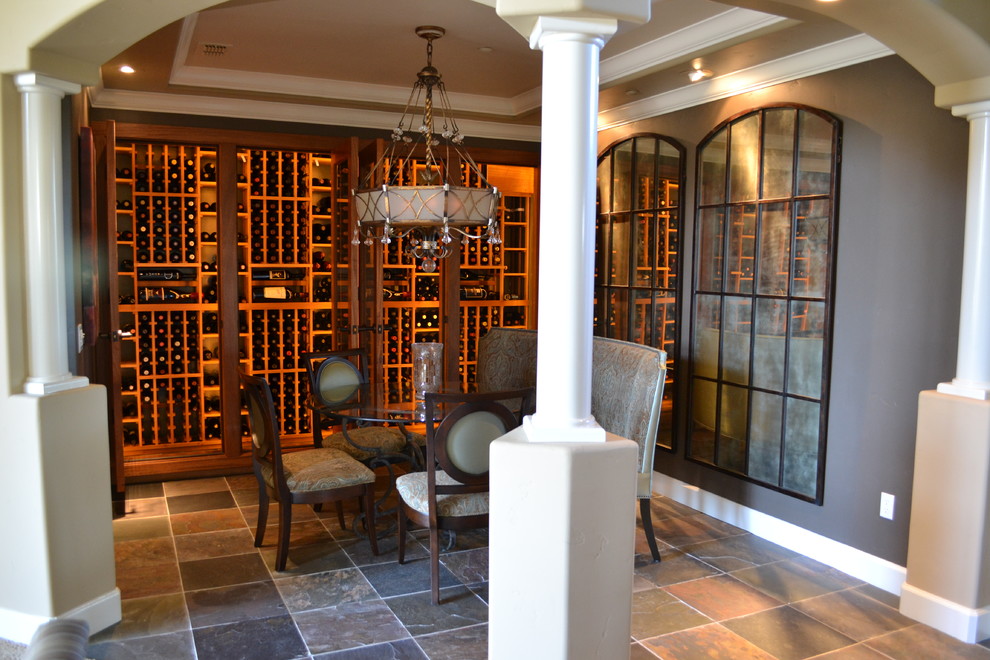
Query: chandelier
x=423 y=196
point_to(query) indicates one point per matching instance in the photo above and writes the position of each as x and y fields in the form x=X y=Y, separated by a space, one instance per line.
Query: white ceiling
x=353 y=63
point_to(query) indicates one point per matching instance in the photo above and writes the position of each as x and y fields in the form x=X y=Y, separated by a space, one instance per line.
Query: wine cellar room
x=233 y=251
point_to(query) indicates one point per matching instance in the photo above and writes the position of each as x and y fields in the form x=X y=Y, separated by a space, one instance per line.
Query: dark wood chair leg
x=647 y=519
x=402 y=533
x=435 y=564
x=340 y=514
x=284 y=525
x=369 y=517
x=259 y=533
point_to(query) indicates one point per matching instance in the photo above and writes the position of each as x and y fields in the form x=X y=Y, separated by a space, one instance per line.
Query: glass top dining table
x=368 y=404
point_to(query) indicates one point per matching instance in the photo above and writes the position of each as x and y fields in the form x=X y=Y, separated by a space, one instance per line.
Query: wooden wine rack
x=494 y=286
x=291 y=257
x=229 y=250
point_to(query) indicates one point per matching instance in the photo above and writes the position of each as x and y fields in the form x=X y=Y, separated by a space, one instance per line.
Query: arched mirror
x=762 y=300
x=637 y=269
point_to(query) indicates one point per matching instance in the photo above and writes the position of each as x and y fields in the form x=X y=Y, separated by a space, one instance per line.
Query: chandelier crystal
x=437 y=204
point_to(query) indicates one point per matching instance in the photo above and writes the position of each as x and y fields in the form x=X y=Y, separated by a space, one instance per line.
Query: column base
x=100 y=613
x=591 y=432
x=948 y=578
x=561 y=548
x=963 y=623
x=43 y=388
x=62 y=563
x=964 y=388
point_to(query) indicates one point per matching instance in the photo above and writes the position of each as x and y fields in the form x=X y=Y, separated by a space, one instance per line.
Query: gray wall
x=900 y=226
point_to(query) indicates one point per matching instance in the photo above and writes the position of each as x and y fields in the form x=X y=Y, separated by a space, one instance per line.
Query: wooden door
x=99 y=289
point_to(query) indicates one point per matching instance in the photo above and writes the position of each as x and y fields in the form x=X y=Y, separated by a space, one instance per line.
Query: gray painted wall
x=900 y=226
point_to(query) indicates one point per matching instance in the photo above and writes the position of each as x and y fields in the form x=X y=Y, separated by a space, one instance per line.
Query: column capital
x=589 y=30
x=31 y=81
x=971 y=110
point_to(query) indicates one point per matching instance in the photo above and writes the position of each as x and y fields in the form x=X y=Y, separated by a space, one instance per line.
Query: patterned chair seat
x=320 y=469
x=382 y=439
x=414 y=491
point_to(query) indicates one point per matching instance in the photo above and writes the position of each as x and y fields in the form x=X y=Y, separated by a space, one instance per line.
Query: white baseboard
x=963 y=623
x=876 y=571
x=101 y=612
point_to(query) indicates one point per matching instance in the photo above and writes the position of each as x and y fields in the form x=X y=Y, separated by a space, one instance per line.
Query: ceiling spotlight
x=694 y=75
x=632 y=91
x=126 y=68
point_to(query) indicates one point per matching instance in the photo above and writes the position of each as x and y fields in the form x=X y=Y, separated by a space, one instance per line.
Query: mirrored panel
x=619 y=249
x=775 y=249
x=811 y=247
x=641 y=330
x=703 y=419
x=645 y=187
x=741 y=263
x=801 y=452
x=711 y=236
x=761 y=314
x=638 y=253
x=764 y=436
x=605 y=185
x=736 y=339
x=622 y=181
x=712 y=159
x=816 y=149
x=707 y=335
x=618 y=314
x=732 y=428
x=778 y=152
x=644 y=240
x=744 y=159
x=770 y=344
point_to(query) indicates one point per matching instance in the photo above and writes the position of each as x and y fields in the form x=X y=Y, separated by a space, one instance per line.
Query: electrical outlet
x=887 y=506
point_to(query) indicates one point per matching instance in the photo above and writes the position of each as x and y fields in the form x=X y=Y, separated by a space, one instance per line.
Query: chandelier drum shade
x=435 y=203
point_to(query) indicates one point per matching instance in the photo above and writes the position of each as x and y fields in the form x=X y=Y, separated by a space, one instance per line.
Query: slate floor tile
x=265 y=639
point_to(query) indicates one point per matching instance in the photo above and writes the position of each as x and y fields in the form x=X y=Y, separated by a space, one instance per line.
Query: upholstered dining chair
x=310 y=476
x=337 y=378
x=452 y=493
x=627 y=382
x=626 y=398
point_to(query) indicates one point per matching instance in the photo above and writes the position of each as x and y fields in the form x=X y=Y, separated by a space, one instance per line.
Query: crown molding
x=709 y=33
x=836 y=55
x=322 y=88
x=211 y=106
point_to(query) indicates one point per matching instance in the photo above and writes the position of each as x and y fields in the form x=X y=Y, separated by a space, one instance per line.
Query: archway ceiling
x=362 y=57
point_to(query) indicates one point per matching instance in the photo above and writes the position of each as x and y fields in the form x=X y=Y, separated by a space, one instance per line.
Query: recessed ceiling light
x=632 y=92
x=486 y=49
x=694 y=75
x=126 y=68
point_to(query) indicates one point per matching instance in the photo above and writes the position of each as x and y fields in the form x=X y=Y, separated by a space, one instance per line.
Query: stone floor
x=194 y=586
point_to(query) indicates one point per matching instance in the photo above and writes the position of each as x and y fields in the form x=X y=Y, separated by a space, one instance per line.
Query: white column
x=571 y=50
x=972 y=378
x=562 y=520
x=44 y=244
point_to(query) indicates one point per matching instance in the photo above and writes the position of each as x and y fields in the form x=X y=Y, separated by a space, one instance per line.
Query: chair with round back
x=452 y=494
x=337 y=379
x=309 y=476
